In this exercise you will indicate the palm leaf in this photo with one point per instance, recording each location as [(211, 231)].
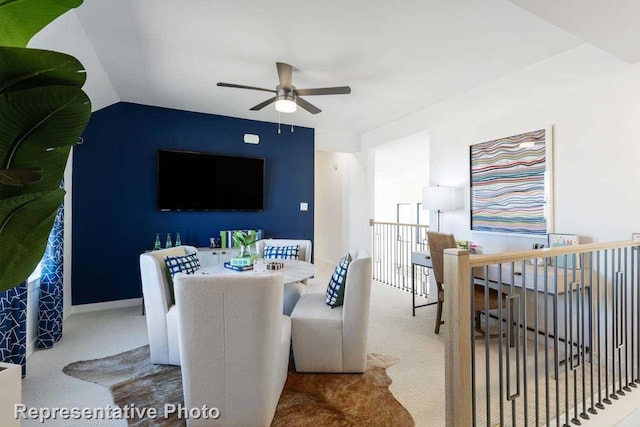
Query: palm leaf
[(22, 19), (39, 127), (20, 177), (25, 223), (22, 68)]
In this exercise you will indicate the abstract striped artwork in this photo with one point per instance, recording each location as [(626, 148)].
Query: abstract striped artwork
[(508, 184)]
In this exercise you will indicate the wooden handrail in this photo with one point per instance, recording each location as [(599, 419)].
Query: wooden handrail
[(482, 260), (372, 223)]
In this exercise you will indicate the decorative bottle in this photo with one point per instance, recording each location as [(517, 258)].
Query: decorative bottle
[(157, 245), (168, 244), (178, 241)]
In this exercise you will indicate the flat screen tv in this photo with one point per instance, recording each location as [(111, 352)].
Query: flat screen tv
[(209, 182)]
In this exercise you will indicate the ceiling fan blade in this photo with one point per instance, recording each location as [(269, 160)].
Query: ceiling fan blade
[(307, 106), (263, 104), (284, 74), (340, 90), (244, 87)]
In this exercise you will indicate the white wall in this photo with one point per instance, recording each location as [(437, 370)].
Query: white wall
[(335, 140), (331, 205), (341, 214), (401, 171), (591, 99)]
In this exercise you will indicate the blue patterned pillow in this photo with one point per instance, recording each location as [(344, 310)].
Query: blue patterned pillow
[(335, 290), (281, 252), (182, 264)]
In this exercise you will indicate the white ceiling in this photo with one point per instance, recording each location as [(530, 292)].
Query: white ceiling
[(611, 25), (397, 57)]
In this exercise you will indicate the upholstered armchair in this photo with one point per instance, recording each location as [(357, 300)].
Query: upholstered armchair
[(329, 339), (292, 291), (159, 305), (234, 345)]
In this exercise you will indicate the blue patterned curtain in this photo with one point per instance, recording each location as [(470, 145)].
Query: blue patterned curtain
[(13, 326), (50, 308)]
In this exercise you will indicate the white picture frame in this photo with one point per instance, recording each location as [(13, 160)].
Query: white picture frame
[(556, 240)]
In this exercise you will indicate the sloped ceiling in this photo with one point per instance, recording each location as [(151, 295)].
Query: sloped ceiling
[(397, 57), (610, 25)]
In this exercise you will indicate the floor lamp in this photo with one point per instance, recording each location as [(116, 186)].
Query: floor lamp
[(439, 199)]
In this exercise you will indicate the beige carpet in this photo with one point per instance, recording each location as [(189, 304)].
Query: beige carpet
[(307, 399)]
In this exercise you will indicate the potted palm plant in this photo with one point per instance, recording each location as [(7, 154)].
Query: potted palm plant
[(43, 112)]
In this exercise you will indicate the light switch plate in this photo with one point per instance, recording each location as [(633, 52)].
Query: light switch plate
[(304, 206)]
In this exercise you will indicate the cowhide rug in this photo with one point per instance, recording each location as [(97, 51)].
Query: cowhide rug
[(307, 399)]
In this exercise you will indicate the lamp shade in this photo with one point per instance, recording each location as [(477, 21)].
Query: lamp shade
[(286, 106), (439, 198)]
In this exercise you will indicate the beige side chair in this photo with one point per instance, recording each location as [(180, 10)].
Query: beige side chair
[(234, 345), (329, 339), (159, 306), (292, 291)]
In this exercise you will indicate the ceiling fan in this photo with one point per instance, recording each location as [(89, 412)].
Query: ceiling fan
[(287, 96)]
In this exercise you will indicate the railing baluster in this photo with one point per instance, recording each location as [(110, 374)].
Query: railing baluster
[(501, 343), (624, 321), (556, 331), (619, 345), (535, 340), (517, 339), (606, 330), (575, 293), (567, 352), (599, 405), (486, 343), (637, 278), (591, 338), (472, 305), (546, 344), (614, 321), (635, 309), (583, 347)]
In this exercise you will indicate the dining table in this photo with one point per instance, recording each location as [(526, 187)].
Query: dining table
[(294, 270)]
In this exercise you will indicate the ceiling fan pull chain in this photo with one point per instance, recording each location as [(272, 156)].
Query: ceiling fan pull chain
[(278, 122), (292, 123)]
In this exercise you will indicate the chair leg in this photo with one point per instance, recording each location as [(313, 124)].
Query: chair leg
[(439, 317)]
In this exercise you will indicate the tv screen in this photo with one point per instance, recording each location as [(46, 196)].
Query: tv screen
[(209, 182)]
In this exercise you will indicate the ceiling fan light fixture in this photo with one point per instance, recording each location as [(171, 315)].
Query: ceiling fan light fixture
[(286, 105)]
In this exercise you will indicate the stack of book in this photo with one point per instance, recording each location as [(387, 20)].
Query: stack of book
[(238, 267), (241, 263)]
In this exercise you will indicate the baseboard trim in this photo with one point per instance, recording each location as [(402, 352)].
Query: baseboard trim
[(109, 305)]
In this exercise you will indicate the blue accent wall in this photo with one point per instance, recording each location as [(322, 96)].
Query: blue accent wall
[(115, 217)]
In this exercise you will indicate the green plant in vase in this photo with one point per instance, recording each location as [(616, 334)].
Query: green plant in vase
[(43, 112), (243, 240)]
